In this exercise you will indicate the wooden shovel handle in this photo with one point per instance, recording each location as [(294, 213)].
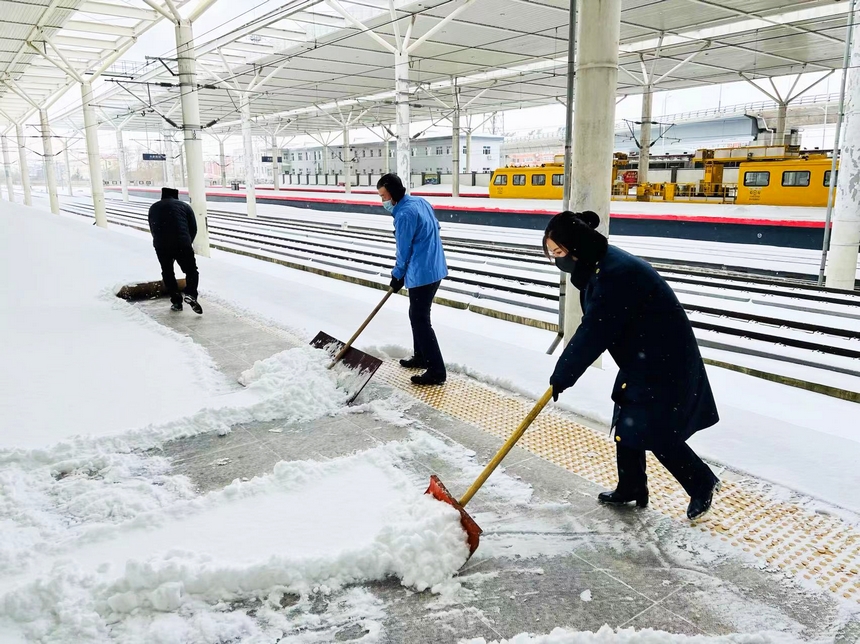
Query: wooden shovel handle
[(355, 335), (507, 447)]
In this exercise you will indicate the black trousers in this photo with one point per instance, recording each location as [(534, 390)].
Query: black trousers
[(689, 470), (184, 256), (426, 346)]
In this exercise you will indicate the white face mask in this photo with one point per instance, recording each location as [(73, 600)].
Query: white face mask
[(388, 205)]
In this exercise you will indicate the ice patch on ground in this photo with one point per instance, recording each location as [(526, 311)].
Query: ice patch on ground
[(607, 635)]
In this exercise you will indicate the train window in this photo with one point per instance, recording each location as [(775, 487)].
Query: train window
[(798, 178), (519, 180), (500, 180), (827, 177), (756, 179), (538, 179), (558, 179)]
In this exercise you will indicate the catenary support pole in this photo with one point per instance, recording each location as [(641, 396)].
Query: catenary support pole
[(68, 176), (94, 159), (7, 169), (568, 161), (22, 164), (48, 157), (123, 164), (222, 161), (247, 136), (645, 134), (455, 140), (347, 162)]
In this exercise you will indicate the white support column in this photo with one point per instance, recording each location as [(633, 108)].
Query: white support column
[(22, 164), (7, 169), (250, 188), (468, 151), (455, 142), (845, 236), (645, 134), (169, 169), (223, 163), (781, 118), (48, 156), (347, 162), (325, 160), (91, 130), (123, 168), (594, 122), (276, 178), (193, 134), (68, 170), (401, 100)]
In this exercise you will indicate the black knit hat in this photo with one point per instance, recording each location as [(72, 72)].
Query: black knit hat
[(169, 193), (575, 232)]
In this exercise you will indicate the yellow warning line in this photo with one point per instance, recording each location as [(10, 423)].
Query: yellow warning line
[(817, 547)]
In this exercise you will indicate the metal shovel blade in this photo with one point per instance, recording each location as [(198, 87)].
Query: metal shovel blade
[(473, 532), (361, 364)]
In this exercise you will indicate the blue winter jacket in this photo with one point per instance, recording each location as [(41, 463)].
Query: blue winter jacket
[(420, 258)]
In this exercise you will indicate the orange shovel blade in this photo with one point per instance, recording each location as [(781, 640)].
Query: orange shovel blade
[(473, 532)]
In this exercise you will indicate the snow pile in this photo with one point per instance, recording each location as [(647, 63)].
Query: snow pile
[(306, 526), (631, 636)]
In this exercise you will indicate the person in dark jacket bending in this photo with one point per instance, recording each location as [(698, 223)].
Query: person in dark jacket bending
[(173, 229), (420, 265), (662, 395)]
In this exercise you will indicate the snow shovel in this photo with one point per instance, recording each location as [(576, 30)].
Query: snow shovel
[(361, 363), (440, 492)]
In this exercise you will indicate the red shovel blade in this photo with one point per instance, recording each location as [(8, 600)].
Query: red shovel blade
[(473, 532)]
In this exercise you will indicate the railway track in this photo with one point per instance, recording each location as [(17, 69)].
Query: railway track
[(517, 275)]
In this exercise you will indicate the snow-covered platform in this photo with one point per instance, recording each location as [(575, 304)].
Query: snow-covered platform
[(147, 496)]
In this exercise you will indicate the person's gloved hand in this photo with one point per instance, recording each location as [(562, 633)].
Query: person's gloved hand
[(396, 284), (559, 384)]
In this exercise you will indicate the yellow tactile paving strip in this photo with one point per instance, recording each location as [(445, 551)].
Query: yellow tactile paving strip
[(816, 547)]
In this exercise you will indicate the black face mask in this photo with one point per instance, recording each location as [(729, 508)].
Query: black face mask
[(566, 264), (580, 271)]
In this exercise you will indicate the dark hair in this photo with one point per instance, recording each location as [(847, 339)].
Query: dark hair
[(169, 193), (393, 184), (575, 232)]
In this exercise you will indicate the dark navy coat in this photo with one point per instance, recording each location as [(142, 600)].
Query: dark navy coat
[(172, 224), (662, 393)]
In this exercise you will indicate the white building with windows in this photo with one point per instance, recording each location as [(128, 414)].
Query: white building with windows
[(429, 155)]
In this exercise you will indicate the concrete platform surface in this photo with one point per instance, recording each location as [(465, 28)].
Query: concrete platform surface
[(640, 568)]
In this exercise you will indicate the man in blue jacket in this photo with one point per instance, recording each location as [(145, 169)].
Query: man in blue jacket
[(420, 265)]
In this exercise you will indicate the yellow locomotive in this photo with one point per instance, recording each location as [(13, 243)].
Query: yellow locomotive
[(753, 175)]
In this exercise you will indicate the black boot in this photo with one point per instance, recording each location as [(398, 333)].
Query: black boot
[(428, 378), (614, 498), (700, 506), (194, 304), (413, 363), (176, 306)]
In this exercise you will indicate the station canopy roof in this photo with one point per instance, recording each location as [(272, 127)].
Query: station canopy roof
[(313, 64)]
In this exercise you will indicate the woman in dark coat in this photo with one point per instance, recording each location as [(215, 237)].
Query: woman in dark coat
[(662, 395)]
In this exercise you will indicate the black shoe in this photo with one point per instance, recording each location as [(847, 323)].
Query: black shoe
[(176, 306), (428, 378), (700, 506), (413, 363), (614, 498), (194, 304)]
